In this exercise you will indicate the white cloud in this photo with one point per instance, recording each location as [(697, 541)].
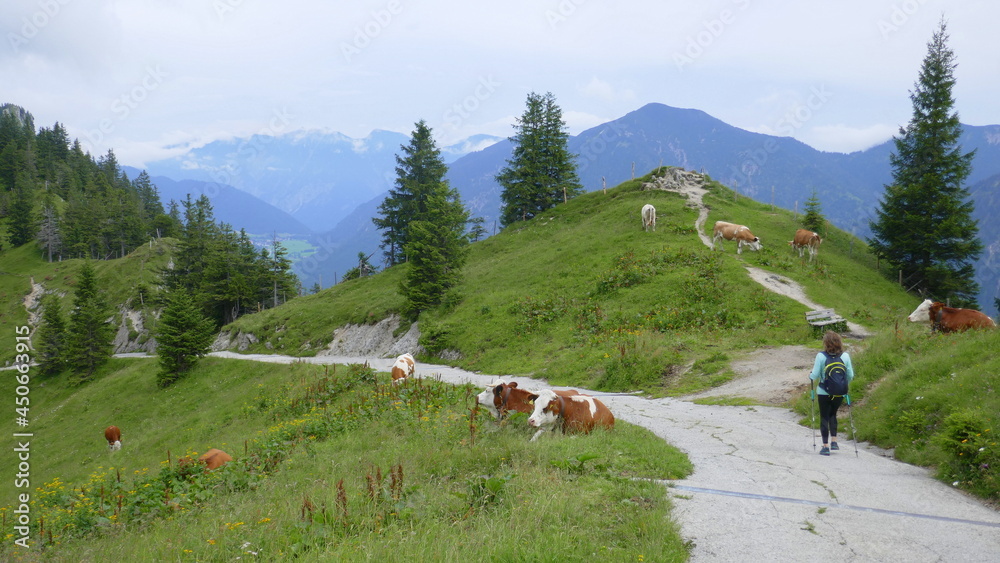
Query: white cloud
[(846, 139), (604, 91), (230, 65)]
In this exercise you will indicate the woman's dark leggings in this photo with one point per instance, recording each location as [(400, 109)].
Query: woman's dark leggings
[(828, 415)]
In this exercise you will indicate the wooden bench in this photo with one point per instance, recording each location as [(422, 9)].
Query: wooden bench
[(825, 319)]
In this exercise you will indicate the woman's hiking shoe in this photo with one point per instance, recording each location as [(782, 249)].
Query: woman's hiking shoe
[(824, 451), (834, 446)]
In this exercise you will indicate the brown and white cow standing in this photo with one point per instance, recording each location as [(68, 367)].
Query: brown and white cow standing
[(740, 233), (573, 413), (949, 319), (806, 239), (114, 437), (648, 217), (403, 368)]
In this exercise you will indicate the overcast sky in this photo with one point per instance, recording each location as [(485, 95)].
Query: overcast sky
[(151, 78)]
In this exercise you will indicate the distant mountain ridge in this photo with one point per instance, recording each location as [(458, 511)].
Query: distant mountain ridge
[(333, 183), (317, 177)]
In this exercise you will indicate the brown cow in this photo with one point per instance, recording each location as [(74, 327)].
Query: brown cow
[(404, 367), (114, 437), (740, 233), (578, 412), (214, 458), (949, 319), (804, 239), (509, 397)]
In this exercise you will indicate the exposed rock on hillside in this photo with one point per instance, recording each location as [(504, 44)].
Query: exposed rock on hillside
[(374, 340), (132, 335), (226, 341)]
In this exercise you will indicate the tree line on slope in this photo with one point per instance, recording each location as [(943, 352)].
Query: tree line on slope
[(70, 205), (424, 223)]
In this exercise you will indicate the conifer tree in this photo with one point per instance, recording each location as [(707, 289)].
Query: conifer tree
[(813, 219), (541, 173), (23, 225), (183, 335), (924, 225), (49, 236), (436, 250), (50, 339), (88, 342), (420, 172), (423, 222)]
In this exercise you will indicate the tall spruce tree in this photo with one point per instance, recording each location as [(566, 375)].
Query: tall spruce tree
[(423, 222), (541, 173), (420, 172), (924, 226), (88, 342), (50, 340), (436, 249), (813, 219), (183, 335)]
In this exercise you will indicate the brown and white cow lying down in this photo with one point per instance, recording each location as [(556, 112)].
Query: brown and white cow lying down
[(114, 437), (740, 233), (806, 239), (486, 398), (501, 397), (576, 413), (215, 458), (949, 319), (403, 368), (648, 217)]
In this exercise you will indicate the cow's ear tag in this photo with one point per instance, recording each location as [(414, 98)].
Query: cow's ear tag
[(531, 402)]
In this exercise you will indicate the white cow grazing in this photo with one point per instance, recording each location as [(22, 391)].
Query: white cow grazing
[(648, 217), (404, 367)]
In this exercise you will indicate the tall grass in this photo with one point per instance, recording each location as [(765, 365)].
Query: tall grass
[(338, 463)]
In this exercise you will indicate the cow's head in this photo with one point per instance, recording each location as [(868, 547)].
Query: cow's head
[(115, 446), (754, 244), (546, 411), (486, 398), (922, 314)]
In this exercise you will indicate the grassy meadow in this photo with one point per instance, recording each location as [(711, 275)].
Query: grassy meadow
[(331, 463)]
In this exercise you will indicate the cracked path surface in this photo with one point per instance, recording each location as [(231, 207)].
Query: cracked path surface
[(760, 492)]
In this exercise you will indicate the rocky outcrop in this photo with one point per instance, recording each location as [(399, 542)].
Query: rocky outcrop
[(241, 341), (374, 340), (132, 335)]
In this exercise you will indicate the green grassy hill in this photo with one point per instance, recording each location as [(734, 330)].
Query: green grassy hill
[(338, 464), (583, 296)]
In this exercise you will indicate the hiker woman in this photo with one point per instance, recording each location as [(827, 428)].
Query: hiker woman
[(834, 372)]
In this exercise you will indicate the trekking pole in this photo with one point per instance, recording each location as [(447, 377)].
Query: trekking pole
[(854, 433), (812, 411)]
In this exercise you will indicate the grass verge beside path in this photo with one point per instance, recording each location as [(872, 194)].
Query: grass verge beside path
[(340, 464)]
